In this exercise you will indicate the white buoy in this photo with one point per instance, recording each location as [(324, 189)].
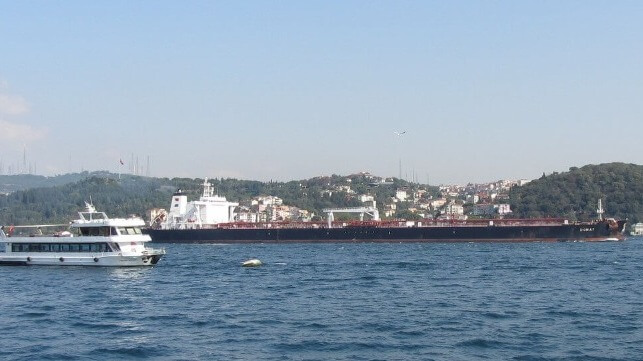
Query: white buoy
[(252, 263)]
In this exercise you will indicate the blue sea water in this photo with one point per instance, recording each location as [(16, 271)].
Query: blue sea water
[(472, 301)]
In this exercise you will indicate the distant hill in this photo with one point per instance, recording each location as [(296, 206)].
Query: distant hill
[(12, 183), (574, 194)]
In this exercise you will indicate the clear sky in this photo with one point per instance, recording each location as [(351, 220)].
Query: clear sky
[(285, 90)]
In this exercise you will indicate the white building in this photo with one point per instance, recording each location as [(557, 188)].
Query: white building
[(246, 215), (437, 203), (390, 209), (267, 201), (346, 189), (503, 209), (488, 209), (453, 209), (368, 200)]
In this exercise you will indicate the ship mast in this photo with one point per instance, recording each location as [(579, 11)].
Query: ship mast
[(600, 210)]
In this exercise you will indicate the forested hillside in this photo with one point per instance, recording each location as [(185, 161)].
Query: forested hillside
[(57, 204), (137, 195), (574, 194)]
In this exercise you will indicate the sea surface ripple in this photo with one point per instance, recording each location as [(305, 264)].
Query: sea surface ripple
[(472, 301)]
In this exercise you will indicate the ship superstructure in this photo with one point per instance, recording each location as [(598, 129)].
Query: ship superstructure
[(208, 210)]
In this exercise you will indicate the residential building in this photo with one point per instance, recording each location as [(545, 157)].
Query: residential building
[(401, 195), (484, 209), (453, 209), (503, 209)]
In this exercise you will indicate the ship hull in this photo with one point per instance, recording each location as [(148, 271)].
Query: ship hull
[(597, 231)]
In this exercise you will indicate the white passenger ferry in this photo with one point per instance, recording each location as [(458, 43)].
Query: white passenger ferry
[(91, 240)]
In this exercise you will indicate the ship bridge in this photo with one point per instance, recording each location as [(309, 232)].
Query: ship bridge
[(371, 211)]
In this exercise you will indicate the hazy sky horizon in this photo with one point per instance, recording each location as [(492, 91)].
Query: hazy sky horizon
[(288, 90)]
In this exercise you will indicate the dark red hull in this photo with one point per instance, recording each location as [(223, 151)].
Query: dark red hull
[(369, 232)]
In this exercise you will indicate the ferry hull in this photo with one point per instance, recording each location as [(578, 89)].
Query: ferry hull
[(599, 231), (93, 261)]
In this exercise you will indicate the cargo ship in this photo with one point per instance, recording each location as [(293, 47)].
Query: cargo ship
[(211, 220)]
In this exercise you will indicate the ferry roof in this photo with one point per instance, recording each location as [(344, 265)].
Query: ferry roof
[(115, 222), (92, 218)]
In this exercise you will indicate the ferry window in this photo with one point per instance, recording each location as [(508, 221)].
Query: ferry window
[(74, 247), (44, 247), (97, 216), (138, 231), (64, 247), (99, 247), (112, 231), (129, 231), (116, 247), (85, 247), (33, 247), (55, 247), (90, 231)]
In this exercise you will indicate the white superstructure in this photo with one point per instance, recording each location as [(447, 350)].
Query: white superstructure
[(210, 209), (91, 240)]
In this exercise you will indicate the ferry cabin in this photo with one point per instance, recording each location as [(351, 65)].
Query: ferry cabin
[(78, 241)]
